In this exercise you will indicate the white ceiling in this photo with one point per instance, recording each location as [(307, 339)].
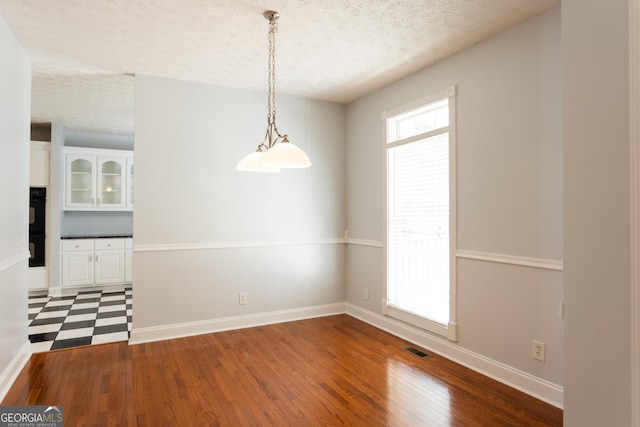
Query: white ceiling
[(85, 52)]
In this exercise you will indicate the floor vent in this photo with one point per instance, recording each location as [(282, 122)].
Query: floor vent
[(417, 352)]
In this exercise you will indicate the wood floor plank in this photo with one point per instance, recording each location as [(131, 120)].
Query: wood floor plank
[(333, 370)]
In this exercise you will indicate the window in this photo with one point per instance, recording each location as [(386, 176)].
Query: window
[(420, 238)]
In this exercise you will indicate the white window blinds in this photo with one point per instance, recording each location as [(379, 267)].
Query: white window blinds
[(418, 227)]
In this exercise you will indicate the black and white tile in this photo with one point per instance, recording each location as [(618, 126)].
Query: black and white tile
[(87, 317)]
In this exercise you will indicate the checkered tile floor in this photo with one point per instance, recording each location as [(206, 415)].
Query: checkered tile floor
[(88, 317)]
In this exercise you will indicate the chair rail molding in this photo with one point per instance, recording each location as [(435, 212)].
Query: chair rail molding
[(14, 260), (160, 247), (548, 264)]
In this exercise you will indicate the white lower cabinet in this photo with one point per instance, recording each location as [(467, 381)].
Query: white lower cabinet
[(77, 268), (109, 267), (39, 164), (88, 262)]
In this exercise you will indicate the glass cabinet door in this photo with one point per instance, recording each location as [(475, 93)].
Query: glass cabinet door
[(80, 181), (111, 177)]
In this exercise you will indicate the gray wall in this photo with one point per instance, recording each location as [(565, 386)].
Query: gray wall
[(15, 105), (509, 95), (509, 184), (221, 231), (596, 212)]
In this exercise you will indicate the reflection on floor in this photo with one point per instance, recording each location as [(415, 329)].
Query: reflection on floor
[(87, 317)]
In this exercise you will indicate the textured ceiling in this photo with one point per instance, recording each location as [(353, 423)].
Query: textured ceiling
[(84, 53)]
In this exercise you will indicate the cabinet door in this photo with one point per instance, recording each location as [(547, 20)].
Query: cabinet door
[(39, 164), (111, 182), (77, 268), (109, 267), (80, 181), (130, 182)]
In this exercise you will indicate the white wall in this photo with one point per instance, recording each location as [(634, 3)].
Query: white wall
[(595, 65), (203, 232), (509, 183), (15, 105)]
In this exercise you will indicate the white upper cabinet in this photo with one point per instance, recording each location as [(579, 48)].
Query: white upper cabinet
[(97, 179), (80, 181), (111, 182), (39, 164)]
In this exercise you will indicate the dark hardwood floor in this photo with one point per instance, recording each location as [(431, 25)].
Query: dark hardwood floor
[(327, 371)]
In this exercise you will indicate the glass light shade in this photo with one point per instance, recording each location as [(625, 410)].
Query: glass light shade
[(285, 155), (251, 163)]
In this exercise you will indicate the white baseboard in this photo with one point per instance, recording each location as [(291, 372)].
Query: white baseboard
[(55, 291), (520, 380), (9, 375), (58, 291), (159, 333)]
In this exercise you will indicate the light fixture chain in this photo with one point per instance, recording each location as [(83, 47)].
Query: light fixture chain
[(273, 28)]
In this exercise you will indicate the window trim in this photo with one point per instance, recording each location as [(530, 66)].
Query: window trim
[(450, 330)]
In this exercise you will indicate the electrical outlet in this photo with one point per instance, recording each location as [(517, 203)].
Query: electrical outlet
[(539, 350), (242, 298), (366, 293)]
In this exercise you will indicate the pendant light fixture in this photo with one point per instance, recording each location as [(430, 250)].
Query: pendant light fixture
[(275, 151)]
